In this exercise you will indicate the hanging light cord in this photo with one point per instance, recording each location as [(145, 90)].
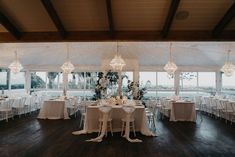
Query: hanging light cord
[(16, 56), (228, 55), (170, 52), (67, 46)]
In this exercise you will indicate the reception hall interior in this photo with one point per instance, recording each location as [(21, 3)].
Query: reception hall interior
[(119, 78)]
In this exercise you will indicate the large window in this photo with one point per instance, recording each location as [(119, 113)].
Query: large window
[(164, 81), (158, 84), (148, 79), (38, 80), (188, 80), (17, 80), (82, 80), (207, 81), (228, 85), (53, 80), (3, 79), (202, 83)]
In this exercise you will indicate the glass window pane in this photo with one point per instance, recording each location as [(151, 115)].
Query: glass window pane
[(150, 94), (3, 79), (188, 80), (127, 76), (189, 95), (165, 81), (165, 93), (228, 85), (147, 79), (207, 81), (93, 79), (53, 79), (38, 80), (76, 80), (17, 80)]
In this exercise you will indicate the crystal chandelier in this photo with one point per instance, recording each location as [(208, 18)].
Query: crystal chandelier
[(15, 66), (67, 67), (170, 66), (117, 63), (228, 67)]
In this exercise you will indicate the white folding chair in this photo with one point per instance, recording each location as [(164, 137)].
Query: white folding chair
[(129, 111), (104, 109), (6, 110)]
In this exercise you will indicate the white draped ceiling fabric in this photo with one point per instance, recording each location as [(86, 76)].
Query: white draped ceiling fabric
[(92, 56)]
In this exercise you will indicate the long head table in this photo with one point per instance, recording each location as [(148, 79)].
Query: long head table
[(91, 123)]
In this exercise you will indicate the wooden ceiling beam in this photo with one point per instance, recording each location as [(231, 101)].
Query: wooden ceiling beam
[(110, 16), (54, 17), (170, 17), (88, 36), (226, 19), (10, 26)]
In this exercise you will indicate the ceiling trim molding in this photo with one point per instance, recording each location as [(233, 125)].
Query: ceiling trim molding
[(86, 36)]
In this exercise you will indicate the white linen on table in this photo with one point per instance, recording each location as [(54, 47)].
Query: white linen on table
[(53, 109), (183, 111), (91, 123)]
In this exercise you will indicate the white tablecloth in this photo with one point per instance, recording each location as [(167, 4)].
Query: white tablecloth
[(183, 111), (53, 109), (91, 119)]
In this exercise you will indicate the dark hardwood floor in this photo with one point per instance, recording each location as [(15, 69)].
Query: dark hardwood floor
[(28, 136)]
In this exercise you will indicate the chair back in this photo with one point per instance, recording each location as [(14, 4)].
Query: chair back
[(129, 110), (105, 110), (6, 104)]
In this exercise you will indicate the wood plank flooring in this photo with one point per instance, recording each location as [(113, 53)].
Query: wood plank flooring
[(30, 137)]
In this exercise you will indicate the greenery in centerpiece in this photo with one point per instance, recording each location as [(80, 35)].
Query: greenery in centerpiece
[(135, 91), (109, 80), (106, 85)]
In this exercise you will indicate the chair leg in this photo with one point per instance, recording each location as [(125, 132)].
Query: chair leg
[(6, 116), (111, 127), (133, 127), (123, 124), (100, 125), (81, 120), (154, 124)]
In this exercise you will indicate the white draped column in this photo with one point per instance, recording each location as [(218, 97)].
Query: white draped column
[(65, 84), (119, 83), (177, 82), (218, 82)]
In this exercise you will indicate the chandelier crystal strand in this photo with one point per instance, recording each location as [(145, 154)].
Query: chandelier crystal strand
[(15, 66), (67, 67), (117, 63), (170, 66), (228, 67)]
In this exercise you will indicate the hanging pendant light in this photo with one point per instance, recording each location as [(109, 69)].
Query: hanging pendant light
[(228, 67), (15, 66), (170, 66), (117, 63), (67, 67)]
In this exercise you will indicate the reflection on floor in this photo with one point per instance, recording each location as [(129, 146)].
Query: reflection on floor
[(29, 136)]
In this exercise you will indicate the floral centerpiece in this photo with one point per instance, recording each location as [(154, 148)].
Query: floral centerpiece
[(135, 91)]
